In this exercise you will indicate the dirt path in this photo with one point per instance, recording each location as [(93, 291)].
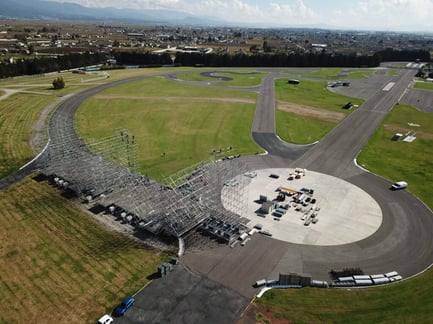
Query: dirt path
[(318, 113), (8, 92)]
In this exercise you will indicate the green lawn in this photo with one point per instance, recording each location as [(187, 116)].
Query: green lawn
[(424, 85), (405, 302), (336, 73), (161, 87), (171, 134), (313, 94), (55, 260), (239, 79), (298, 129), (398, 160), (403, 115)]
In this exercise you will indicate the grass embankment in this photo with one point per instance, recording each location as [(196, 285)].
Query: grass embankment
[(18, 113), (404, 302), (301, 126), (174, 125), (57, 264)]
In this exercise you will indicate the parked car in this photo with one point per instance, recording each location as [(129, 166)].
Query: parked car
[(126, 304), (399, 185), (106, 319)]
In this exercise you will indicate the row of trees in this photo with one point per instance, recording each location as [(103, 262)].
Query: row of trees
[(50, 64), (243, 60), (279, 60), (390, 55), (272, 60), (69, 61)]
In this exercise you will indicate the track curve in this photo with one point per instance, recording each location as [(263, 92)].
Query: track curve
[(403, 242)]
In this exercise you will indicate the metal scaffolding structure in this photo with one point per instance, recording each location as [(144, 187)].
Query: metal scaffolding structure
[(104, 172)]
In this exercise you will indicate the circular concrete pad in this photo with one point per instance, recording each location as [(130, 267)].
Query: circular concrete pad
[(346, 213)]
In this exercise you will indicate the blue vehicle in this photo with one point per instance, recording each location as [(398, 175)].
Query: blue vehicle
[(126, 304)]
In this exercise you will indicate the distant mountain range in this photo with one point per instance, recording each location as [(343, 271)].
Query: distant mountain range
[(40, 9)]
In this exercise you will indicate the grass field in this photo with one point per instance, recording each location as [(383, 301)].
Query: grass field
[(336, 74), (405, 302), (57, 264), (294, 127), (56, 261), (175, 125), (313, 94), (161, 87), (398, 160), (74, 81), (18, 113), (171, 134), (424, 85), (291, 127), (240, 78)]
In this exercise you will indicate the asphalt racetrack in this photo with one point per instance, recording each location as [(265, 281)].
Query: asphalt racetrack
[(208, 278), (402, 242)]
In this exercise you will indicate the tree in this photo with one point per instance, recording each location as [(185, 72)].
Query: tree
[(266, 47), (58, 83)]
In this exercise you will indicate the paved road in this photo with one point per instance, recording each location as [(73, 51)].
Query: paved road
[(402, 243), (263, 129), (405, 232)]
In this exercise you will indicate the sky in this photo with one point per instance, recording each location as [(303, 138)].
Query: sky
[(399, 15)]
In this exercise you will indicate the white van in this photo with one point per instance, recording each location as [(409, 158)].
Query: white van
[(399, 185)]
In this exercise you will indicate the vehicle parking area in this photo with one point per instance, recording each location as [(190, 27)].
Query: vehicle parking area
[(313, 208)]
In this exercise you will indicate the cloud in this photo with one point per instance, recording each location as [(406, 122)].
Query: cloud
[(297, 11), (355, 14), (234, 10), (132, 4)]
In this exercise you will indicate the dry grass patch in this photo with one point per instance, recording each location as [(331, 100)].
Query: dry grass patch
[(18, 113), (57, 264), (325, 115)]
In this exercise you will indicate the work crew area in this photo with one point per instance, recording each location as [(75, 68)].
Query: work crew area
[(307, 207)]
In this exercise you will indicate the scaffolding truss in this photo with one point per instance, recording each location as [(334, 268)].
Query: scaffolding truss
[(104, 172)]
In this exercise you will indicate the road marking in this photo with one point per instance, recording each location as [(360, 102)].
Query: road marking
[(388, 86)]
